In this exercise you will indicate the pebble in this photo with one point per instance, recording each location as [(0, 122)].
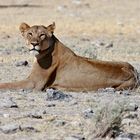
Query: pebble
[(124, 92), (101, 43), (78, 2), (61, 7), (106, 90), (9, 128), (13, 128), (88, 113), (36, 115), (128, 136), (8, 103), (28, 128), (21, 63), (59, 123), (51, 105), (74, 138), (131, 107), (110, 45), (132, 116), (6, 115), (6, 37), (50, 118), (85, 39), (57, 95), (126, 122)]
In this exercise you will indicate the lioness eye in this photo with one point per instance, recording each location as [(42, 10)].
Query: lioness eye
[(30, 34), (42, 36)]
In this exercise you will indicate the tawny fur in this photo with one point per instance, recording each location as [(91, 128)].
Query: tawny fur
[(57, 66)]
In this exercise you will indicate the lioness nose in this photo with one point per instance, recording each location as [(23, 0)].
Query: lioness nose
[(35, 43)]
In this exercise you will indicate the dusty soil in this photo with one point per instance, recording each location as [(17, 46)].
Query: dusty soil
[(107, 30)]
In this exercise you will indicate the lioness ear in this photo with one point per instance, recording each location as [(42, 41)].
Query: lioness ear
[(23, 27), (50, 29)]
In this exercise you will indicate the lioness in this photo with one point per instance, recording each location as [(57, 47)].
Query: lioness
[(56, 66)]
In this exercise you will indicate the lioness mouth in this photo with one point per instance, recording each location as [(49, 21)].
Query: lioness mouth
[(34, 50)]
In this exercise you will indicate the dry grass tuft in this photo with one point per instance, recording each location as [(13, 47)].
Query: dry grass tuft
[(108, 121)]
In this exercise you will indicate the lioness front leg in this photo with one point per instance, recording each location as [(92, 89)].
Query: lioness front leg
[(24, 84)]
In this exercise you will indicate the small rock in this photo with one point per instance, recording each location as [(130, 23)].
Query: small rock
[(6, 37), (9, 128), (6, 115), (132, 116), (59, 123), (73, 102), (7, 52), (126, 121), (28, 128), (128, 136), (102, 43), (74, 138), (85, 39), (21, 63), (124, 92), (61, 7), (51, 105), (44, 112), (8, 103), (119, 92), (78, 2), (50, 118), (98, 43), (88, 113), (110, 89), (76, 124), (57, 95), (32, 99), (131, 107), (106, 90), (35, 114), (110, 45), (25, 91)]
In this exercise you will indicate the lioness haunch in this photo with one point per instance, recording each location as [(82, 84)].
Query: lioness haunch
[(57, 66)]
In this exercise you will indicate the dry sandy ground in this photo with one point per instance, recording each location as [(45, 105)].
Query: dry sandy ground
[(105, 29)]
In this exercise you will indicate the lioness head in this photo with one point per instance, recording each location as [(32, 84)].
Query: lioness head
[(37, 37)]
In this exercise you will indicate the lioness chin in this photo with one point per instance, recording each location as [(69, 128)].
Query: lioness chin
[(57, 66)]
